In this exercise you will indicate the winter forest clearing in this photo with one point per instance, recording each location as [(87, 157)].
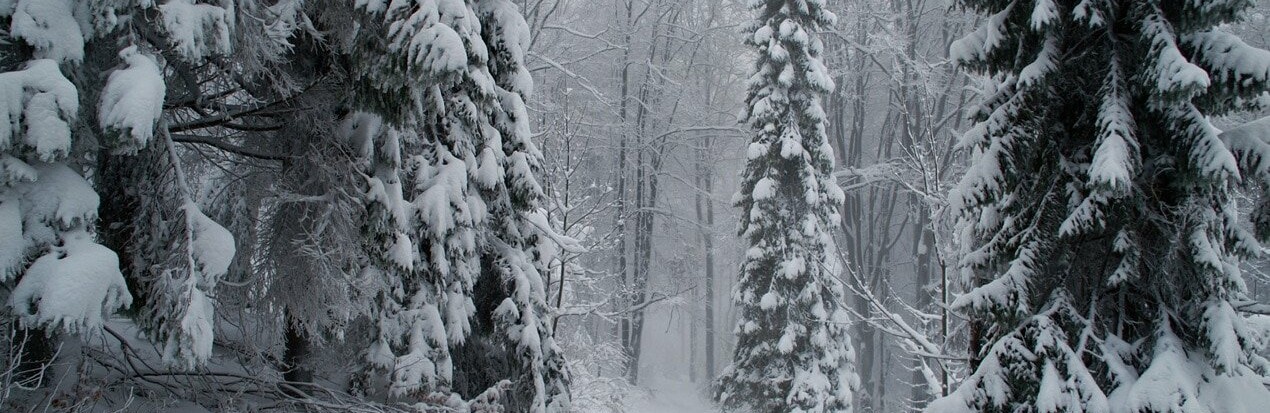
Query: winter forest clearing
[(640, 206)]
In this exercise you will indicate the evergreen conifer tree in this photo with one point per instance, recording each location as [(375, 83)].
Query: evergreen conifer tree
[(1098, 227), (415, 115), (453, 83), (517, 247), (792, 352), (414, 68), (172, 254), (175, 254)]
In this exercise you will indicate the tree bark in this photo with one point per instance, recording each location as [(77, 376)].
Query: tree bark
[(296, 352), (623, 300), (708, 244), (704, 208)]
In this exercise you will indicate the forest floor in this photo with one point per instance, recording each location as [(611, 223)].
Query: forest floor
[(669, 396)]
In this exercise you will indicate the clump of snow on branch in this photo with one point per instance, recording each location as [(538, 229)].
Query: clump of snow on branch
[(38, 104), (75, 281), (198, 30), (212, 248), (983, 41), (209, 250), (50, 27), (71, 287), (132, 100)]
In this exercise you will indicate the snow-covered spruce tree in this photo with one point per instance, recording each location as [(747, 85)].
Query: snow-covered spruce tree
[(512, 335), (280, 180), (172, 254), (792, 350), (313, 215), (412, 343), (55, 274), (1100, 237), (126, 60), (461, 136), (423, 81)]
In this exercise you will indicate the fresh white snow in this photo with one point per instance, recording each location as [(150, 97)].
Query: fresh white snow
[(668, 395), (198, 30), (133, 98), (71, 287), (50, 27)]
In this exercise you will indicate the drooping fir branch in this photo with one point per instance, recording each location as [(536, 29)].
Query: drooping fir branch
[(178, 256)]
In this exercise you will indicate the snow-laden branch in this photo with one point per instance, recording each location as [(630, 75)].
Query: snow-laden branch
[(582, 80), (1248, 142), (1252, 307), (915, 342), (566, 243)]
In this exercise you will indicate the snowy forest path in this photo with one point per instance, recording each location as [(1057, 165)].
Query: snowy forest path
[(669, 396)]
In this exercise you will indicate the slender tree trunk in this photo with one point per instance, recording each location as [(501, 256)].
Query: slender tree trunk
[(639, 280), (853, 210), (943, 322), (693, 331), (704, 208), (623, 298), (645, 200), (708, 244), (565, 210), (921, 250)]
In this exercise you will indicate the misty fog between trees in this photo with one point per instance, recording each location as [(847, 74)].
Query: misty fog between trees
[(635, 206)]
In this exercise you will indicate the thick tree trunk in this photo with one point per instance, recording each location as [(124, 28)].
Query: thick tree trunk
[(296, 352)]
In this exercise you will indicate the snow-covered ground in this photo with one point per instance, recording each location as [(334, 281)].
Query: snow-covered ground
[(669, 396)]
